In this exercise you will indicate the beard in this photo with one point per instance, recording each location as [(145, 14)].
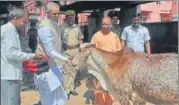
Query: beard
[(71, 22)]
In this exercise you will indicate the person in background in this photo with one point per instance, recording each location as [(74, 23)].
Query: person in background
[(62, 26), (72, 38), (115, 25), (12, 58), (32, 32), (136, 36)]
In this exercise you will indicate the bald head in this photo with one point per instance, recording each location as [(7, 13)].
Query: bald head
[(106, 25), (106, 20)]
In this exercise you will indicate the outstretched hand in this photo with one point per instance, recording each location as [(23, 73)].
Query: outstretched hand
[(38, 56), (69, 62)]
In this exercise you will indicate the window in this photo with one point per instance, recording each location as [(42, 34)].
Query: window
[(165, 17), (145, 15)]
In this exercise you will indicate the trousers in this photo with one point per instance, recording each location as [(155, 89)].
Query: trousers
[(10, 92)]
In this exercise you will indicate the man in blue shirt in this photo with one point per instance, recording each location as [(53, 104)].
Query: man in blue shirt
[(136, 36)]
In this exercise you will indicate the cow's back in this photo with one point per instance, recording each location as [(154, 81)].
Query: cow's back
[(155, 78)]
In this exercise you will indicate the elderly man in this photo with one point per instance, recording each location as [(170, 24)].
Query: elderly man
[(106, 40), (50, 84), (136, 35), (72, 38), (12, 58)]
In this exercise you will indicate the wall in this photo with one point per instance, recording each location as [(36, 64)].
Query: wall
[(164, 36), (126, 16), (154, 9)]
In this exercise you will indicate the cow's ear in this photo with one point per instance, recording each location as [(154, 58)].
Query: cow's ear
[(90, 45)]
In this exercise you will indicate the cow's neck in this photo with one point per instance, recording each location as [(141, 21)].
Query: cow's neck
[(118, 63), (108, 57)]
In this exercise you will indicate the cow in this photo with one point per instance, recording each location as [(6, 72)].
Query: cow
[(154, 78)]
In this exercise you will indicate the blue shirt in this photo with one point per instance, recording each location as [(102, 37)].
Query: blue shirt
[(135, 39)]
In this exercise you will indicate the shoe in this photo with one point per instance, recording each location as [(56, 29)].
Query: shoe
[(74, 93), (92, 102), (68, 97), (87, 102)]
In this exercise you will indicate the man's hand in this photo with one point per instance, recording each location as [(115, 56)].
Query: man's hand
[(148, 55), (69, 62), (80, 42), (38, 56), (31, 60), (147, 46)]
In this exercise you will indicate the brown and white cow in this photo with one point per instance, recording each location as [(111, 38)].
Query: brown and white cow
[(154, 78)]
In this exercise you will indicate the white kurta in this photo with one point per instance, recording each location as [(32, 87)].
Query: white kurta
[(50, 87), (49, 84)]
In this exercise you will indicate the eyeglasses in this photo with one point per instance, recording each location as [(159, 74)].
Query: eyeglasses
[(56, 14), (70, 17)]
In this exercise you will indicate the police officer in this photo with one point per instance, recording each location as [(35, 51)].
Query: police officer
[(72, 38)]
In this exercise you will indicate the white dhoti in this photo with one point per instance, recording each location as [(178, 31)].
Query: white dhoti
[(50, 88)]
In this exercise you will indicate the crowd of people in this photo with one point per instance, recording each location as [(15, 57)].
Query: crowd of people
[(59, 44)]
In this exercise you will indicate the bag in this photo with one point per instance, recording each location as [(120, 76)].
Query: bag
[(38, 66)]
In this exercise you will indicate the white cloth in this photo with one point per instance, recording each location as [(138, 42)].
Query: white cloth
[(54, 77), (50, 87), (11, 54)]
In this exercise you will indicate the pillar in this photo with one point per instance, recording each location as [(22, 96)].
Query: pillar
[(126, 16)]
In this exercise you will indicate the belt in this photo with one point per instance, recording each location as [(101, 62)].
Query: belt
[(73, 47)]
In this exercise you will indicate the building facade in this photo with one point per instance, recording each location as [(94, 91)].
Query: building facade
[(161, 11)]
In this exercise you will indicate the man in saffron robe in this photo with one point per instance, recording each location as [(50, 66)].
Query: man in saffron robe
[(106, 40)]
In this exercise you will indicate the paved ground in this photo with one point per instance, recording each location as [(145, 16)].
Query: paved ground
[(31, 97)]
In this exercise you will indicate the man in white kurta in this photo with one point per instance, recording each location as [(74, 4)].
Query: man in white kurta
[(12, 58), (49, 84)]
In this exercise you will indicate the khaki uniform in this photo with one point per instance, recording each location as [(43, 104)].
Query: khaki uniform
[(70, 37)]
